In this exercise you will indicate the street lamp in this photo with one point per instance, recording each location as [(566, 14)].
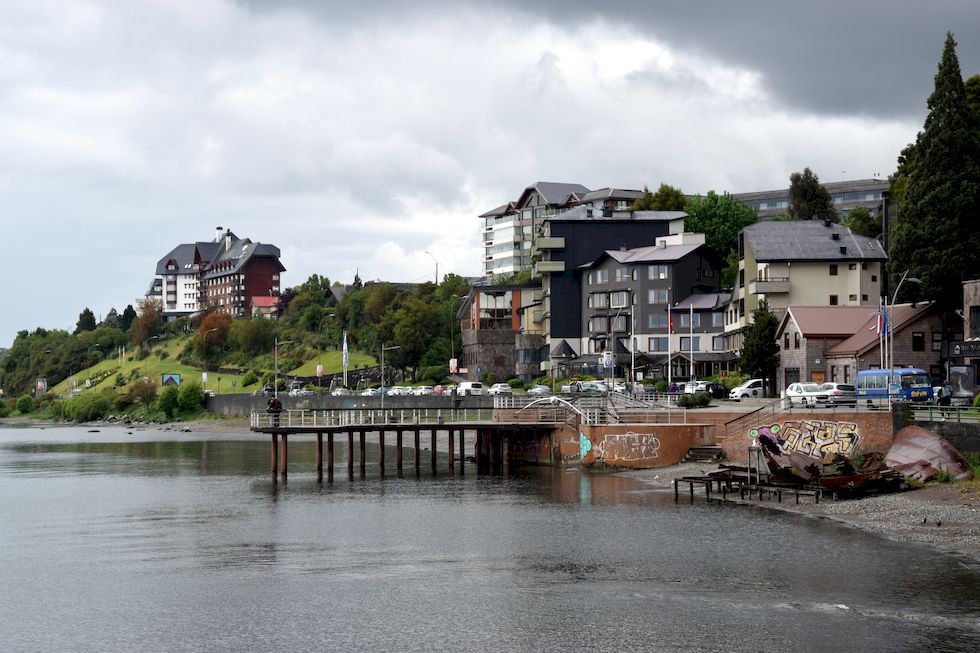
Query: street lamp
[(452, 328), (275, 363), (319, 351), (204, 347), (891, 327), (383, 350), (437, 265)]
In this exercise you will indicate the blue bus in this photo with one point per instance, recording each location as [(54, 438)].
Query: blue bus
[(914, 384)]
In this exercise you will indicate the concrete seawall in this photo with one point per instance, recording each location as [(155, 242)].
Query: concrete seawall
[(241, 405)]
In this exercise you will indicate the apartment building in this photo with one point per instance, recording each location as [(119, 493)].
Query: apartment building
[(805, 262), (845, 195), (225, 274)]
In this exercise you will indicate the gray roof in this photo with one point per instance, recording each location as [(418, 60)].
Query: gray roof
[(557, 193), (185, 255), (611, 193), (659, 216), (809, 240), (239, 254), (704, 301), (652, 253), (503, 209)]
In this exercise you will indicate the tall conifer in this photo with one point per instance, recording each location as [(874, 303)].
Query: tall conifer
[(938, 233)]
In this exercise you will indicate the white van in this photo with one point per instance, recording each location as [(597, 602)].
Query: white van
[(748, 390), (467, 388)]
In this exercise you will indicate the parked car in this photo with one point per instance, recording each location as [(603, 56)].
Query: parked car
[(716, 390), (806, 394), (594, 387), (371, 392), (423, 391), (840, 393), (539, 390), (467, 388), (500, 389), (751, 389), (340, 392), (574, 386), (300, 392), (264, 391)]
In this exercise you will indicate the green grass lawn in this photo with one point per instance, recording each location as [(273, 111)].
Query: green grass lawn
[(333, 362), (103, 375)]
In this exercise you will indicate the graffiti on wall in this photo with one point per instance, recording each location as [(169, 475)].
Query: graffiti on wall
[(623, 447), (812, 437)]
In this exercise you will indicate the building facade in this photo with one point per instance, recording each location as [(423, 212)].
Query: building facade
[(845, 195), (501, 332)]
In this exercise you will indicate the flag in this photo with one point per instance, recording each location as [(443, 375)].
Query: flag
[(346, 354)]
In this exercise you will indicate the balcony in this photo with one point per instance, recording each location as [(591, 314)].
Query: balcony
[(550, 242), (549, 266), (770, 286)]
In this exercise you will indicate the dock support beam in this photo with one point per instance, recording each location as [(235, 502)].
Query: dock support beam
[(363, 452), (400, 456), (381, 451), (350, 454), (417, 453), (275, 455), (319, 457), (452, 453), (462, 457), (330, 457), (284, 456), (433, 452)]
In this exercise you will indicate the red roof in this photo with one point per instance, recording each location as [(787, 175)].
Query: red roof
[(261, 301)]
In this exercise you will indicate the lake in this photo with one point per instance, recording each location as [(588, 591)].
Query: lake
[(156, 540)]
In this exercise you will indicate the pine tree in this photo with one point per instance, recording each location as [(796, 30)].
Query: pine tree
[(759, 348), (808, 199), (937, 239), (86, 321)]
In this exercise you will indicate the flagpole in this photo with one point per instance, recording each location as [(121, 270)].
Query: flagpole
[(670, 344), (346, 358), (693, 375)]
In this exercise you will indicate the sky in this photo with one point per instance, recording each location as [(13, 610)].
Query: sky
[(367, 137)]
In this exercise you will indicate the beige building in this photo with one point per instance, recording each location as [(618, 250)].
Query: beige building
[(801, 262)]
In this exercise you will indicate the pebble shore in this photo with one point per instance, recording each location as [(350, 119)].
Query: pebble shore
[(944, 517)]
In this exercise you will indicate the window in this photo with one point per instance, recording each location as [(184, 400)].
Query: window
[(833, 300), (657, 344), (588, 301), (602, 276), (864, 298), (619, 299), (599, 325), (741, 278), (686, 343), (622, 274), (589, 279), (852, 266), (847, 374), (864, 266), (918, 341), (852, 298), (718, 343), (686, 320), (874, 278), (633, 275), (796, 340), (937, 341), (786, 340), (833, 269), (658, 320), (657, 296), (619, 323), (657, 272), (600, 300), (717, 319)]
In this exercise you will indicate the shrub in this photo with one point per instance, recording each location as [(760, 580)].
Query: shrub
[(164, 355), (4, 411), (976, 401), (120, 381), (662, 386), (697, 400), (87, 407), (25, 404), (943, 476), (142, 391), (168, 401), (514, 383), (142, 354), (190, 397), (249, 379), (489, 378)]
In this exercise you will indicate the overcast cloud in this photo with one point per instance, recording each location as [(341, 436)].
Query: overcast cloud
[(359, 137)]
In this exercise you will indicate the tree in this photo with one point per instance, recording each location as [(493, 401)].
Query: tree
[(667, 198), (759, 348), (720, 218), (148, 322), (414, 331), (253, 337), (808, 199), (111, 319), (861, 222), (128, 315), (972, 88), (143, 391), (212, 336), (169, 400), (86, 321), (937, 239)]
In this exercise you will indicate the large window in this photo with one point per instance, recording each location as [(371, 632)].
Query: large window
[(657, 296), (918, 341), (602, 276), (600, 300), (658, 320), (657, 344), (620, 323), (686, 343), (718, 343), (717, 319), (599, 325), (622, 274), (496, 310), (686, 320), (657, 272), (619, 299)]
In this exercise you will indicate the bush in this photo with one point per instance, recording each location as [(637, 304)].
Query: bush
[(697, 400), (120, 381), (190, 397), (87, 407), (164, 355), (662, 386), (976, 401), (249, 379), (4, 411), (25, 404), (142, 354), (144, 392), (514, 383), (169, 400)]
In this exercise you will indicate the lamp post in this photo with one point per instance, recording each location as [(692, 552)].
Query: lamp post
[(204, 348), (383, 391), (275, 363), (319, 352), (437, 265), (891, 327), (452, 328)]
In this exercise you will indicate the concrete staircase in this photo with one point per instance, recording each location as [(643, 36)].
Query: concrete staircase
[(707, 454)]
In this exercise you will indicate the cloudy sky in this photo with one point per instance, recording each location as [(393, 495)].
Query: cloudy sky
[(359, 136)]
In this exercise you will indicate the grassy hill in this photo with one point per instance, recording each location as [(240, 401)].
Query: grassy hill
[(163, 359)]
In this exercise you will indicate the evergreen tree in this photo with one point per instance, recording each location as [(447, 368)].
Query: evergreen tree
[(808, 199), (129, 314), (86, 321), (667, 198), (861, 222), (759, 348), (937, 238)]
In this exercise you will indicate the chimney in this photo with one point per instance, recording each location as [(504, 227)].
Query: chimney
[(227, 240), (662, 244), (835, 236), (218, 233), (826, 222)]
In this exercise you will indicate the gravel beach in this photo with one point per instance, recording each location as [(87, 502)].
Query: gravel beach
[(945, 517)]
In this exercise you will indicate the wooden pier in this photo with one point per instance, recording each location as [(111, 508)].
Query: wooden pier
[(746, 491)]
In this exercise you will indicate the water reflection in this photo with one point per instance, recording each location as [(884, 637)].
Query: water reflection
[(188, 543)]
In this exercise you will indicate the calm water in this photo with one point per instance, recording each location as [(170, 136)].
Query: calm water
[(159, 541)]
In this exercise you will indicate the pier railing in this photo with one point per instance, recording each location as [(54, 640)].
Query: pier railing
[(340, 418)]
